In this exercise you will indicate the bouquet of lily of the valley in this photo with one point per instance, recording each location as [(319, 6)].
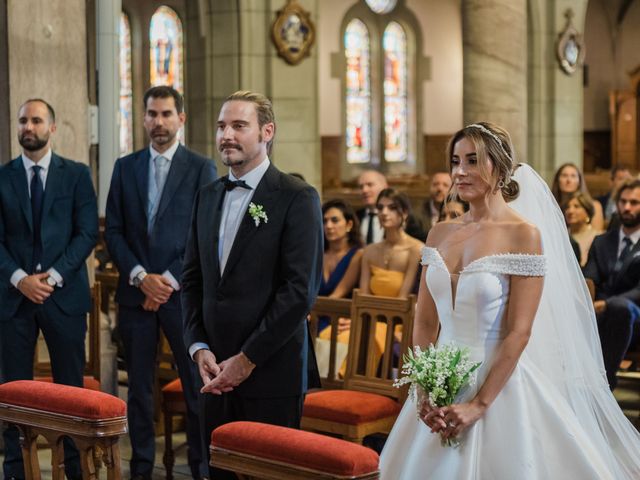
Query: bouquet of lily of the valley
[(440, 372)]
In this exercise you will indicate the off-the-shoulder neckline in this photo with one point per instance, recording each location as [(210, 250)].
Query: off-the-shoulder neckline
[(442, 263)]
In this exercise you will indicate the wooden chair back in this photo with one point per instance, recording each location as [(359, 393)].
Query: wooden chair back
[(334, 309), (42, 364), (366, 371)]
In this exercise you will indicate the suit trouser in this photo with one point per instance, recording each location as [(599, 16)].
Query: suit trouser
[(615, 327), (217, 410), (64, 335), (139, 331)]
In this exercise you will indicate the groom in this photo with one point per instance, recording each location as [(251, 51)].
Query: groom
[(251, 274)]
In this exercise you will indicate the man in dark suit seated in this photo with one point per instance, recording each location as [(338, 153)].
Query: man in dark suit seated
[(48, 228), (438, 190), (619, 175), (614, 267), (147, 222), (371, 183), (251, 275)]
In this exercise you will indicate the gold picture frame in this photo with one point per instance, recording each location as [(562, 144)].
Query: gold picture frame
[(293, 33), (570, 48)]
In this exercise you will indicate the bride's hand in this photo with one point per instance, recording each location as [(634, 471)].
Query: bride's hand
[(431, 416), (460, 416)]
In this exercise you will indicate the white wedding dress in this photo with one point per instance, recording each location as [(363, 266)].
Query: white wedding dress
[(553, 419)]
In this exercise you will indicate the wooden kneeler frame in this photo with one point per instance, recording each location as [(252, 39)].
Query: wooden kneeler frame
[(88, 434)]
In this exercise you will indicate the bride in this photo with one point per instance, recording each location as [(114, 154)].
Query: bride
[(502, 281)]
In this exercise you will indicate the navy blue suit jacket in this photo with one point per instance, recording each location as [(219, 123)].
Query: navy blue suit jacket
[(259, 304), (126, 234), (69, 232)]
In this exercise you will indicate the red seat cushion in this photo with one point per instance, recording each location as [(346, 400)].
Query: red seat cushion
[(172, 391), (304, 449), (88, 382), (63, 399), (348, 406)]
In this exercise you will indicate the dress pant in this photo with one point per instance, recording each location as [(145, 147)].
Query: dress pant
[(229, 407), (139, 331), (64, 336), (616, 327)]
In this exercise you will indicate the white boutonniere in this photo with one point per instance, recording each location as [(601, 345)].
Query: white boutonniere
[(257, 213)]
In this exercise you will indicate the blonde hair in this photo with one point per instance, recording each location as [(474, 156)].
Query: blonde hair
[(264, 109), (494, 143)]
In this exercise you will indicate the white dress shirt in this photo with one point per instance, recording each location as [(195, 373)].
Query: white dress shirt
[(378, 231), (234, 208), (44, 163), (168, 154)]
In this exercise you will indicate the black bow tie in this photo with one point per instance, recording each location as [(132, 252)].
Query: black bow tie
[(231, 184)]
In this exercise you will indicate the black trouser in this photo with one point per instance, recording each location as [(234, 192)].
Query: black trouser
[(139, 331), (230, 407), (64, 335)]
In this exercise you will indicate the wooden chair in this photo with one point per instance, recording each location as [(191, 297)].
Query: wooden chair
[(42, 366), (93, 420), (369, 403), (173, 404), (271, 452), (334, 309)]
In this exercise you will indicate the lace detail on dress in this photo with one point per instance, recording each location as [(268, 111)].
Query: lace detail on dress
[(431, 256), (523, 264)]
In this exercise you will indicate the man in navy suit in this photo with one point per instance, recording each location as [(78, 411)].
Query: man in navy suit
[(147, 221), (614, 267), (251, 274), (48, 228)]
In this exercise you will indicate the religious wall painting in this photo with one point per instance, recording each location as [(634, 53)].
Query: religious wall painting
[(358, 92), (166, 49), (570, 48), (293, 33)]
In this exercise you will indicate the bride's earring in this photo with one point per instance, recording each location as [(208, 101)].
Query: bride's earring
[(501, 184)]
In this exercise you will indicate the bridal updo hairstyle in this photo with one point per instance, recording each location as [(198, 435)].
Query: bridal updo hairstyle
[(493, 141)]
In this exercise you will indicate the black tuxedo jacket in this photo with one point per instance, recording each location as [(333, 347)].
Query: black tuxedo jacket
[(69, 232), (271, 279), (600, 268), (126, 234)]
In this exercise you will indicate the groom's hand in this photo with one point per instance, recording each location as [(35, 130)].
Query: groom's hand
[(207, 365), (233, 371)]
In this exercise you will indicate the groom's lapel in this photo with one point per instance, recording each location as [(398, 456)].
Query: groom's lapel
[(214, 223), (265, 196)]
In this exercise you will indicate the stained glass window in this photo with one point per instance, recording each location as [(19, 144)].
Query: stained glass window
[(382, 6), (166, 53), (358, 92), (394, 42), (126, 90)]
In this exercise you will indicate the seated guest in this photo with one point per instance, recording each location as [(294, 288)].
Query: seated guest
[(619, 175), (389, 267), (342, 251), (452, 209), (614, 267), (578, 213), (432, 206), (569, 180), (371, 183)]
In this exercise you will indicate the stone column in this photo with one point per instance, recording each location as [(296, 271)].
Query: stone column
[(495, 66), (108, 21)]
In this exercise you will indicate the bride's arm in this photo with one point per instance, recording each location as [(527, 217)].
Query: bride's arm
[(521, 310), (426, 323)]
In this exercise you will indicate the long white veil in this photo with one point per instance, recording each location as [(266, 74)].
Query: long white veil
[(564, 343)]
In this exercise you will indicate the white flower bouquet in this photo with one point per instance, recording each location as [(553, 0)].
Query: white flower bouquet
[(438, 372)]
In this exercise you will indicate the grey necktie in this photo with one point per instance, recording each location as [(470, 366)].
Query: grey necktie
[(161, 164), (161, 173)]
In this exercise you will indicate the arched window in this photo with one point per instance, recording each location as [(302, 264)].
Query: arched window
[(166, 49), (394, 42), (381, 50), (126, 89), (358, 95)]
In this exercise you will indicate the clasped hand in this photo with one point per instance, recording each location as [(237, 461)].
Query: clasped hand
[(157, 290), (35, 287), (224, 376), (450, 421)]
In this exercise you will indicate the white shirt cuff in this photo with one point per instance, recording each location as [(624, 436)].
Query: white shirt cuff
[(172, 280), (17, 276), (56, 276), (195, 347), (134, 273)]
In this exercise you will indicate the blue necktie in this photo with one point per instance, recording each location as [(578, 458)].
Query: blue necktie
[(37, 193)]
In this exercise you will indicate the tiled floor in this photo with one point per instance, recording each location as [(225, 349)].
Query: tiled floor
[(627, 393)]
